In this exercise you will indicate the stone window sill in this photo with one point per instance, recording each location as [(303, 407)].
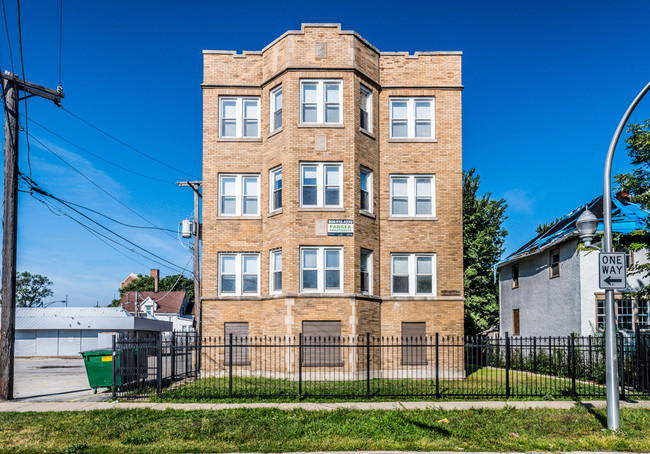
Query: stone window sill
[(273, 133), (367, 214), (274, 213), (239, 218), (368, 133), (412, 218), (243, 139), (321, 125), (412, 140), (303, 209)]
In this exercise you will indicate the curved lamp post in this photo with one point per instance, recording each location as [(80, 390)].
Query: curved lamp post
[(611, 360)]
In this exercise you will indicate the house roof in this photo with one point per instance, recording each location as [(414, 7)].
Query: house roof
[(626, 218), (167, 302), (85, 318)]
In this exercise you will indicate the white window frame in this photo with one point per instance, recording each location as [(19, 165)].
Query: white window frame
[(239, 116), (275, 109), (412, 195), (321, 268), (272, 173), (239, 193), (369, 270), (625, 314), (272, 270), (320, 183), (412, 273), (370, 208), (239, 273), (365, 105), (320, 100), (643, 311), (410, 117)]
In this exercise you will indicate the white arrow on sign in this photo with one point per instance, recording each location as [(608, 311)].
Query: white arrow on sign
[(611, 270)]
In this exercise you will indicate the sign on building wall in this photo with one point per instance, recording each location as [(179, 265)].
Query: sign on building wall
[(340, 227), (611, 270)]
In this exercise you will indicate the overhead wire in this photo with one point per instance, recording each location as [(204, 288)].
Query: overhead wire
[(22, 67), (161, 260), (98, 186), (60, 38), (11, 54), (126, 144)]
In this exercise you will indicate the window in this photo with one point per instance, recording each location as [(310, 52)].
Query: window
[(554, 263), (321, 269), (600, 314), (412, 118), (413, 274), (239, 274), (366, 271), (515, 276), (625, 315), (320, 101), (276, 189), (365, 185), (321, 185), (321, 342), (412, 195), (276, 271), (276, 108), (515, 322), (239, 195), (365, 109), (643, 315), (414, 341), (239, 332), (240, 117)]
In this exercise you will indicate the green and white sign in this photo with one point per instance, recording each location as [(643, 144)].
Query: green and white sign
[(340, 227)]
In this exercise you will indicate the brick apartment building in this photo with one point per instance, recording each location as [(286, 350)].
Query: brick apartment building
[(332, 200)]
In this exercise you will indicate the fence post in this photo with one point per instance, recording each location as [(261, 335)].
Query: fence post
[(507, 365), (637, 346), (368, 365), (622, 360), (534, 355), (115, 356), (172, 352), (572, 352), (300, 365), (437, 368), (159, 365), (230, 367), (186, 350)]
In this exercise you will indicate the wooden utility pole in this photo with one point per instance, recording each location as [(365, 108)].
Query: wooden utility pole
[(196, 186), (12, 85)]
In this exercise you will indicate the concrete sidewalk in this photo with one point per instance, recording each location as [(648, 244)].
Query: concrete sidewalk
[(24, 406)]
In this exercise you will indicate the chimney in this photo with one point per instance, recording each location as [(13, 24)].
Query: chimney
[(155, 274)]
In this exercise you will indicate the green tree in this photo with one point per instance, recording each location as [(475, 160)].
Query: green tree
[(637, 185), (545, 227), (483, 238), (167, 283), (32, 289)]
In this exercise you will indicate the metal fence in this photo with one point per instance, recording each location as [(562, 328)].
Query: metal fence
[(436, 367)]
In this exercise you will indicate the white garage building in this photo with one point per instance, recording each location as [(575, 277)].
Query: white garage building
[(66, 331)]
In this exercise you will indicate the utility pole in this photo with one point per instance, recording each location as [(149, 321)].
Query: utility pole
[(196, 186), (12, 85)]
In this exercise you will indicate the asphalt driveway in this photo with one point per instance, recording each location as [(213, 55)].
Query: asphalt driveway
[(53, 380)]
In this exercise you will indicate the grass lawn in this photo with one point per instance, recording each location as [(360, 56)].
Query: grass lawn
[(485, 383), (271, 430)]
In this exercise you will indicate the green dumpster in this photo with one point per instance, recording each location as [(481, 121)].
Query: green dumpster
[(99, 368)]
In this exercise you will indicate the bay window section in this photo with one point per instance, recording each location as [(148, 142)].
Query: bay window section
[(321, 185), (365, 185), (276, 108), (365, 109), (320, 101), (321, 269), (276, 271), (276, 189), (366, 272)]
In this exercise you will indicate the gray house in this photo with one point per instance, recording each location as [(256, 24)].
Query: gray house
[(66, 331), (549, 287)]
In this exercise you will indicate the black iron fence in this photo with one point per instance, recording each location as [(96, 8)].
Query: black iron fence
[(436, 367)]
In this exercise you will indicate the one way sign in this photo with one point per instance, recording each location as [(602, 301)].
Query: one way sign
[(611, 270)]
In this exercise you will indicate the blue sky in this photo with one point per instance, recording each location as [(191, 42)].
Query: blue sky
[(546, 84)]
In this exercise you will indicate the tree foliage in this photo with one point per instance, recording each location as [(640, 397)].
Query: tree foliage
[(145, 284), (637, 185), (483, 238), (32, 289), (546, 226)]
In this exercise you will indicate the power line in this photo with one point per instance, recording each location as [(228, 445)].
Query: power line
[(98, 156), (11, 54), (126, 144), (99, 187), (60, 38)]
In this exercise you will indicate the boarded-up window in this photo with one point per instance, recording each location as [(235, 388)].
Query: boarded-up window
[(515, 276), (414, 341), (554, 263), (239, 331), (515, 322), (321, 343)]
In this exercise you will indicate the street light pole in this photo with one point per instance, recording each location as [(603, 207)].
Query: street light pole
[(611, 360)]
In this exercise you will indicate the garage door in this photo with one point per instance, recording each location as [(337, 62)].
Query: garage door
[(47, 342), (25, 343), (69, 342)]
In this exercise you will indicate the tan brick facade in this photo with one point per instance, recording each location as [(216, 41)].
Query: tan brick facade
[(325, 52)]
